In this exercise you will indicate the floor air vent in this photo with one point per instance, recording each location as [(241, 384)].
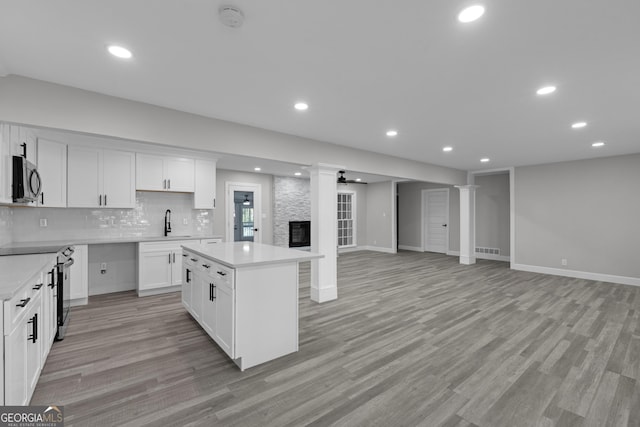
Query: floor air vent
[(492, 251)]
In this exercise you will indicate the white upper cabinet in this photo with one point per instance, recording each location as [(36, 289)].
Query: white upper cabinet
[(5, 164), (52, 165), (204, 196), (100, 178), (23, 142), (161, 173)]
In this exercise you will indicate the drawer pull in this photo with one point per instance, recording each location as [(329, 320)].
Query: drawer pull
[(185, 255), (206, 265), (222, 273), (194, 260), (37, 287), (23, 302)]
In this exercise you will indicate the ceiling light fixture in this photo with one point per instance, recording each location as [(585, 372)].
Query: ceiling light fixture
[(546, 90), (298, 173), (257, 169), (246, 201), (471, 13), (358, 179), (231, 16), (578, 125), (301, 106), (597, 144), (485, 160), (447, 149), (392, 132), (119, 51)]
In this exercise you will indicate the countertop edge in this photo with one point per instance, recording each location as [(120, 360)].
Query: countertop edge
[(302, 258)]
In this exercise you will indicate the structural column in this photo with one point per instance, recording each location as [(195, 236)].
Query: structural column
[(324, 232), (467, 223)]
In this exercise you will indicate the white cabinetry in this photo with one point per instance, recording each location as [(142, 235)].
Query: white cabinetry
[(52, 165), (219, 305), (5, 163), (23, 142), (100, 178), (79, 276), (160, 173), (189, 264), (159, 267), (23, 330), (204, 196)]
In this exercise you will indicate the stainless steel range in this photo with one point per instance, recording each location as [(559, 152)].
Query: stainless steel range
[(64, 290)]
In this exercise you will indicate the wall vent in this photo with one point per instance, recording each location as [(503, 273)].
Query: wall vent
[(491, 251)]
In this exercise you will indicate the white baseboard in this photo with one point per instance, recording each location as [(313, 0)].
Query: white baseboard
[(324, 294), (623, 280), (453, 253), (346, 250), (79, 301), (492, 257), (410, 248), (148, 292), (377, 249)]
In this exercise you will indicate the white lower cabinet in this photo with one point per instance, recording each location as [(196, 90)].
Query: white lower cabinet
[(159, 267)]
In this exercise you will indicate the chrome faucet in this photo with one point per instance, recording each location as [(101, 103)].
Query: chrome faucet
[(167, 222)]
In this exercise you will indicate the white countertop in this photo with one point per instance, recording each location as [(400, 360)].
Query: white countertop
[(103, 241), (249, 254), (17, 270)]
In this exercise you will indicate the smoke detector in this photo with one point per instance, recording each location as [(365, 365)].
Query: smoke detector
[(231, 16)]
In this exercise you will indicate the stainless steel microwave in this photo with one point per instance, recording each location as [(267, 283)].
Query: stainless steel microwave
[(26, 185)]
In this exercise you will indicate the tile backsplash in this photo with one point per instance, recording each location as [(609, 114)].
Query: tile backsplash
[(6, 225), (145, 220)]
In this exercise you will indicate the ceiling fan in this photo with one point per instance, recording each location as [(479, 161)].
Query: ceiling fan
[(343, 180)]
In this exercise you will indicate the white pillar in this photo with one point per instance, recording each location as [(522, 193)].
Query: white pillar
[(324, 232), (467, 223)]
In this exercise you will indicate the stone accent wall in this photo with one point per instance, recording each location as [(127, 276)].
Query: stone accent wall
[(291, 202)]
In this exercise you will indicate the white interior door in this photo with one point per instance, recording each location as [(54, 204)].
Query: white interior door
[(255, 190), (435, 214)]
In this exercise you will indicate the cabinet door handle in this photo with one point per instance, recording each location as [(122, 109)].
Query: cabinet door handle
[(23, 302), (52, 283), (24, 149), (37, 287), (174, 257), (169, 258), (213, 292), (105, 200), (214, 203), (169, 184), (34, 334), (164, 184), (188, 275), (100, 200), (210, 291), (42, 198)]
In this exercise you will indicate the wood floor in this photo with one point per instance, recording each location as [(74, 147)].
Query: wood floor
[(413, 339)]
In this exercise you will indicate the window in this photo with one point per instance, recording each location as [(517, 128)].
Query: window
[(346, 220)]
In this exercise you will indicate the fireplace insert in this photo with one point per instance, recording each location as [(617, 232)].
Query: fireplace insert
[(299, 234)]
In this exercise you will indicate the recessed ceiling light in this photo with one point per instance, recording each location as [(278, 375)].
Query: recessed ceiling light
[(119, 51), (546, 90), (298, 173), (392, 132), (471, 13), (301, 106), (578, 125), (358, 179), (485, 159), (447, 149), (597, 144), (257, 169)]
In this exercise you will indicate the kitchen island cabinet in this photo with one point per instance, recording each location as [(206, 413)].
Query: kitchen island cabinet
[(245, 296)]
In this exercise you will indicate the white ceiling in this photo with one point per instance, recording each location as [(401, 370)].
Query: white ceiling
[(363, 67)]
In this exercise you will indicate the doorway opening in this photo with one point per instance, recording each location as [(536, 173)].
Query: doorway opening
[(243, 212)]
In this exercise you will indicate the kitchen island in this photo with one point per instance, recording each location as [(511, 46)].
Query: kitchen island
[(245, 296)]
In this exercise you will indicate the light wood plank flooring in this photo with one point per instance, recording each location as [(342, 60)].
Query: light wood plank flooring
[(414, 339)]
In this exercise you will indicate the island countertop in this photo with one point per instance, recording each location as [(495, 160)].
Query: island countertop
[(247, 254)]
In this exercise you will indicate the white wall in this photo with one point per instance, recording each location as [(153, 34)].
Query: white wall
[(493, 212), (587, 212), (121, 275), (266, 183), (381, 216), (410, 214), (38, 103)]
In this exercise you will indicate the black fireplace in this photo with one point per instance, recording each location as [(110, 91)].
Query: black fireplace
[(299, 234)]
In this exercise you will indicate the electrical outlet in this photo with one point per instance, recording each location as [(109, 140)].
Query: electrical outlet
[(564, 261), (103, 268), (185, 221), (43, 222)]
